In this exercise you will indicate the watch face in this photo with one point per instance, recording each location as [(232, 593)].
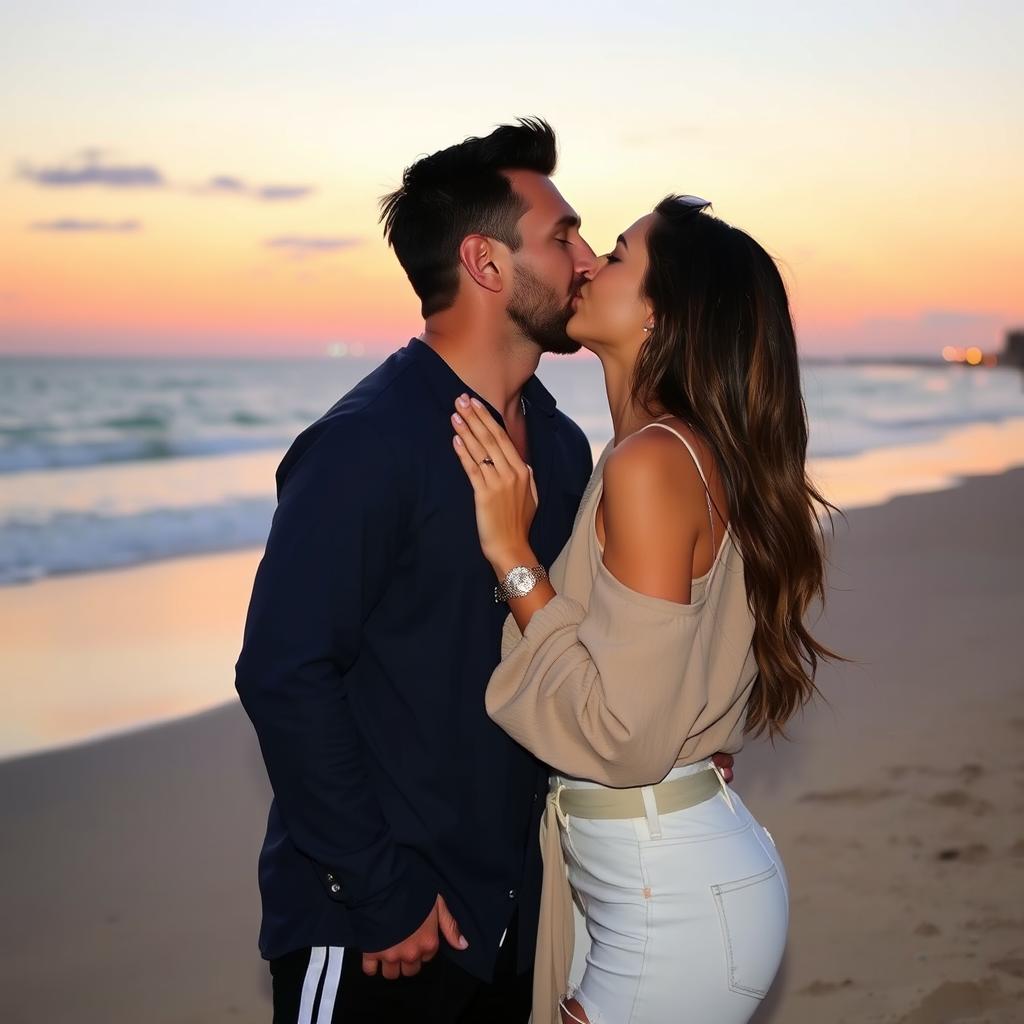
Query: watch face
[(520, 580)]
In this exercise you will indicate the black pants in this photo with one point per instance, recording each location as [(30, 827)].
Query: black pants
[(326, 985)]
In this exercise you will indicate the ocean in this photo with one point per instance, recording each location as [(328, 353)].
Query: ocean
[(106, 463)]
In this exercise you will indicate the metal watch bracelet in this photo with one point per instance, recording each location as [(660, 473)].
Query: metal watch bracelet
[(518, 582)]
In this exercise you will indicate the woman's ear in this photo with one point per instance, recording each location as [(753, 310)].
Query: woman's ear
[(482, 260), (648, 318)]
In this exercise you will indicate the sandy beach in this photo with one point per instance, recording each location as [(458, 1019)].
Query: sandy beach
[(128, 866)]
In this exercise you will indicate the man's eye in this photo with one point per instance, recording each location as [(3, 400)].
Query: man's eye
[(611, 258), (563, 241)]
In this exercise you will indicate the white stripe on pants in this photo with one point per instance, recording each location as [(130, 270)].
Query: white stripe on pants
[(318, 956)]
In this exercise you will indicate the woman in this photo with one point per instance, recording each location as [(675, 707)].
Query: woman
[(670, 626)]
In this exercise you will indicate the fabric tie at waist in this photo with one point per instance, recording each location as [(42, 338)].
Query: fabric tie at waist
[(555, 933)]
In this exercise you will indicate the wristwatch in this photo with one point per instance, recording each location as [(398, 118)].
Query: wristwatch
[(519, 581)]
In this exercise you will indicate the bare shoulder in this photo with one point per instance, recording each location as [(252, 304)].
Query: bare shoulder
[(655, 463), (653, 513)]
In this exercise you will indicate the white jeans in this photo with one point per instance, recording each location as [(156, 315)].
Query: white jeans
[(687, 912)]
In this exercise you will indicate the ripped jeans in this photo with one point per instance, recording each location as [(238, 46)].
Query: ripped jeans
[(687, 911)]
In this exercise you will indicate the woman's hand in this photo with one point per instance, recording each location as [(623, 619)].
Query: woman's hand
[(503, 488)]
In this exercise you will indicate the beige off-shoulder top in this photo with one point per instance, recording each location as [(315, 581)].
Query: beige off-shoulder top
[(618, 687)]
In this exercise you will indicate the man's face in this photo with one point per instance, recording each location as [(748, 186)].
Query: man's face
[(550, 266)]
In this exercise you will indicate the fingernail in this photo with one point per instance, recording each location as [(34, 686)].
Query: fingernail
[(479, 405), (458, 441), (463, 944), (462, 400), (457, 417)]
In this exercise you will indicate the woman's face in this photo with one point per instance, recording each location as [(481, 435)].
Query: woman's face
[(610, 311)]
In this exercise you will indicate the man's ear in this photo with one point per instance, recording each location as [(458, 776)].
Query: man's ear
[(483, 258)]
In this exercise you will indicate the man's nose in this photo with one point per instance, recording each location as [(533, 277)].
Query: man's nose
[(586, 260)]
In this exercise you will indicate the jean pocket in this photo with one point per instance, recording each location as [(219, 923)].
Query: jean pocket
[(754, 916)]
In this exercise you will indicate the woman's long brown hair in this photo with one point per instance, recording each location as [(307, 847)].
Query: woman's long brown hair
[(722, 356)]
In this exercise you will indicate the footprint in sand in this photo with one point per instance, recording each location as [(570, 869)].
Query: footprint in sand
[(812, 839), (912, 841), (853, 795), (956, 1000), (985, 924), (1013, 966), (927, 928), (968, 772), (824, 988), (973, 853), (960, 800)]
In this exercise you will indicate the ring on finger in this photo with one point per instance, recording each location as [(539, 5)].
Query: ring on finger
[(487, 461)]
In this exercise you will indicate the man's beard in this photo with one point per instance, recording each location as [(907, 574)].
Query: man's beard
[(535, 309)]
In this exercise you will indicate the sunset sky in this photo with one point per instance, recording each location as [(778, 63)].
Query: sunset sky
[(203, 178)]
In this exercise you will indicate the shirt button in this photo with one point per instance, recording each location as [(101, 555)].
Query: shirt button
[(511, 894), (330, 877), (335, 887)]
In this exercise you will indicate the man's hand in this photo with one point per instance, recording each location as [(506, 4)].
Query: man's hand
[(724, 761), (407, 957)]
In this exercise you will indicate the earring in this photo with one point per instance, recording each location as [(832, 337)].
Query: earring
[(646, 328)]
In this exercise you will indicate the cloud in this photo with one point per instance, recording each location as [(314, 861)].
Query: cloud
[(90, 167), (93, 171), (308, 245), (225, 183), (74, 225), (230, 185), (275, 192)]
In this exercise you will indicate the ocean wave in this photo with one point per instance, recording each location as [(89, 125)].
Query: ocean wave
[(23, 455), (109, 464), (931, 420), (33, 548)]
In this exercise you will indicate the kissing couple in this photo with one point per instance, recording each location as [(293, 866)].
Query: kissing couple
[(491, 678)]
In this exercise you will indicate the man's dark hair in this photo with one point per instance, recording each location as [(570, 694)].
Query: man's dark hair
[(461, 191)]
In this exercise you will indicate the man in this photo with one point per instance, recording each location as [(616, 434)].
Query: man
[(400, 874)]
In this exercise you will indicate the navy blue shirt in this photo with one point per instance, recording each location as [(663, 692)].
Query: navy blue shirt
[(371, 634)]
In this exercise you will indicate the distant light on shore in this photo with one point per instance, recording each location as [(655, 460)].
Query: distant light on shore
[(973, 356)]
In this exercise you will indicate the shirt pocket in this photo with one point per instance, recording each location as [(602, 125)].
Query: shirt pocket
[(753, 913)]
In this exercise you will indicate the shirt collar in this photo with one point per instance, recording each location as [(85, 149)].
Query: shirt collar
[(447, 385)]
